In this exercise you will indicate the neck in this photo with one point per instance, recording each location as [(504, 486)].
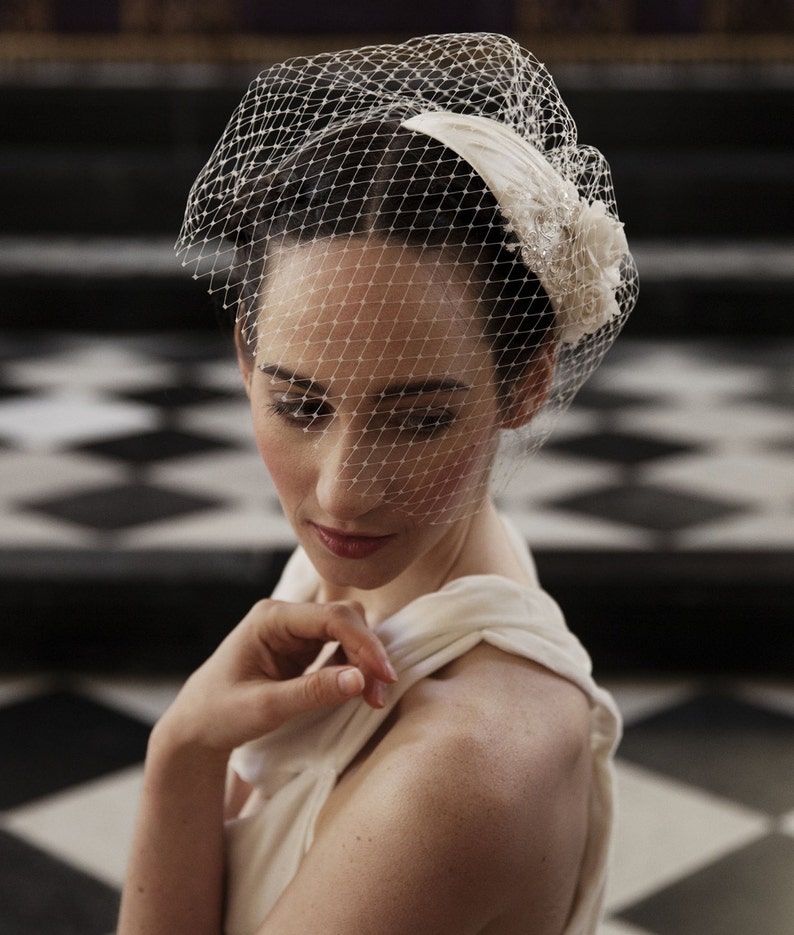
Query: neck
[(475, 545)]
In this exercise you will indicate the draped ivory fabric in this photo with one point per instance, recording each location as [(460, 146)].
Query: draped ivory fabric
[(295, 768)]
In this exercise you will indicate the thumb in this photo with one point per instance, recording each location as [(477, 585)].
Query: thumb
[(321, 689)]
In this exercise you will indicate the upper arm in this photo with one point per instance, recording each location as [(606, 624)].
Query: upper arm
[(443, 830)]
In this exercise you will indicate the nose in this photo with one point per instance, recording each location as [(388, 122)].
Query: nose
[(348, 482)]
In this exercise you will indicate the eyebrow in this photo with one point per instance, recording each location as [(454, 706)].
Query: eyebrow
[(417, 387)]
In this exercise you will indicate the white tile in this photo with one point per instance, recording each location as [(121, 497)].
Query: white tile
[(237, 527), (25, 475), (639, 699), (224, 418), (222, 375), (142, 698), (737, 425), (759, 476), (574, 422), (548, 476), (675, 371), (27, 530), (779, 696), (667, 830), (237, 476), (757, 530), (89, 365), (553, 529), (90, 825), (49, 421)]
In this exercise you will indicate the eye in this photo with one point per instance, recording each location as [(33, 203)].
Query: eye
[(303, 411), (424, 422)]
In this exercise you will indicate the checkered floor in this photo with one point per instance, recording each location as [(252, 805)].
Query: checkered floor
[(136, 442), (705, 842), (139, 445)]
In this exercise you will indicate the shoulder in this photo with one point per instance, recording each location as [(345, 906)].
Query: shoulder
[(479, 789), (508, 712)]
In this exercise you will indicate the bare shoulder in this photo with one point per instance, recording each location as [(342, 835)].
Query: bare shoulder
[(514, 706), (519, 735), (479, 786)]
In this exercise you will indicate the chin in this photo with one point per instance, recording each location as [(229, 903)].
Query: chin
[(362, 574)]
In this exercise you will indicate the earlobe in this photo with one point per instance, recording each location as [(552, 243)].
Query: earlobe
[(245, 360), (532, 390)]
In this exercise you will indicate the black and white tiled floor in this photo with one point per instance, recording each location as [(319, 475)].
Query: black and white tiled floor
[(705, 840), (143, 442), (137, 449)]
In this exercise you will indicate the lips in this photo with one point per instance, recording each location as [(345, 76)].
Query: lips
[(349, 545)]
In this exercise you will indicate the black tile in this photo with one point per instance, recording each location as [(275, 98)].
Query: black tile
[(159, 445), (781, 397), (179, 395), (650, 507), (16, 346), (603, 399), (185, 348), (618, 447), (731, 748), (120, 506), (10, 392), (60, 739), (749, 891), (40, 895)]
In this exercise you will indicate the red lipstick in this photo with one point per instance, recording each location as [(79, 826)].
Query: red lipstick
[(348, 545)]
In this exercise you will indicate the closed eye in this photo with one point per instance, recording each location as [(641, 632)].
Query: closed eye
[(306, 412), (426, 422)]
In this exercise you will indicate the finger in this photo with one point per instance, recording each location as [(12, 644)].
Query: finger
[(360, 644), (322, 689), (286, 628)]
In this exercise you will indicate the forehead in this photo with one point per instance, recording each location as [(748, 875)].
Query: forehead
[(354, 300)]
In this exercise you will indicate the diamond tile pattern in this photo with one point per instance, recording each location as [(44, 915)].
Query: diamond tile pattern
[(159, 445), (618, 447), (650, 507), (699, 846), (747, 891), (722, 744), (45, 731), (671, 444), (41, 894), (120, 507)]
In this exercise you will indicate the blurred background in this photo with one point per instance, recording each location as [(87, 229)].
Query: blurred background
[(137, 526)]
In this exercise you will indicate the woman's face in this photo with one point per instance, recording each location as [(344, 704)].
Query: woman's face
[(373, 403)]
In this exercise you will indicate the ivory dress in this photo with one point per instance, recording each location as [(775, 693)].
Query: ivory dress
[(294, 768)]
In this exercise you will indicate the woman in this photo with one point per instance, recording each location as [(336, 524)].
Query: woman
[(422, 264)]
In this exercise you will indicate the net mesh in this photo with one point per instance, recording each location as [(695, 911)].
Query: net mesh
[(422, 262)]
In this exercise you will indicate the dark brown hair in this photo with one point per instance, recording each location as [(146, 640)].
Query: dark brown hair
[(377, 178)]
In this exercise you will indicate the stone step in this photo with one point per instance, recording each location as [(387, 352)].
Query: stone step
[(690, 193), (694, 152), (126, 283)]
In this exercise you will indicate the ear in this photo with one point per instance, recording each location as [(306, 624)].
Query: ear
[(245, 360), (532, 389)]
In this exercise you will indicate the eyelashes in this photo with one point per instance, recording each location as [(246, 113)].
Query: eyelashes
[(313, 414)]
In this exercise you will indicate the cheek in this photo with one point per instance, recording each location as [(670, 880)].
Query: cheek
[(453, 480), (286, 469)]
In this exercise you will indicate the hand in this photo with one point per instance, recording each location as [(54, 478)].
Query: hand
[(256, 681)]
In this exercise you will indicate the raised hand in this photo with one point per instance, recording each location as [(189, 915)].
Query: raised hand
[(256, 679)]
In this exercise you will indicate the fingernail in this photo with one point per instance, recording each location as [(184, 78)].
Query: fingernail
[(379, 690), (391, 670), (350, 682)]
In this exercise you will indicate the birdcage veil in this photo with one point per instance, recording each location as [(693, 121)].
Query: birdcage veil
[(445, 162)]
